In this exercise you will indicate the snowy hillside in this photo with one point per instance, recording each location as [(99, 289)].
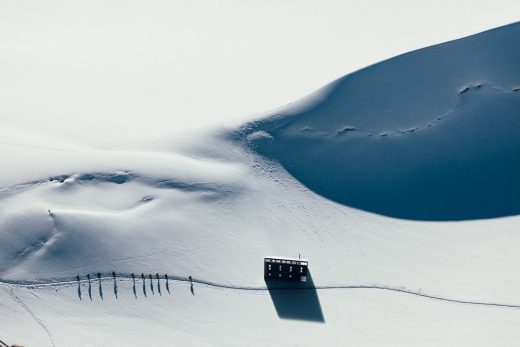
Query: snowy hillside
[(430, 135), (399, 183)]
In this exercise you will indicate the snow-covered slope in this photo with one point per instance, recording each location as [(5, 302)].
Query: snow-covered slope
[(433, 134), (430, 136)]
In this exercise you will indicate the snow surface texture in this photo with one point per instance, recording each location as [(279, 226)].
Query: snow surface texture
[(430, 135), (431, 129)]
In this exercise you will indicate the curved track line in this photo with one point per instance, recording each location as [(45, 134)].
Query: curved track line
[(174, 278), (28, 310)]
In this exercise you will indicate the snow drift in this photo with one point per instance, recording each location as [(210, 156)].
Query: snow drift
[(433, 134)]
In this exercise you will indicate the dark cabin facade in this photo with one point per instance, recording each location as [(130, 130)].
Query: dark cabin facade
[(287, 269)]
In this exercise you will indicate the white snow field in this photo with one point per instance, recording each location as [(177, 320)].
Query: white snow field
[(399, 183)]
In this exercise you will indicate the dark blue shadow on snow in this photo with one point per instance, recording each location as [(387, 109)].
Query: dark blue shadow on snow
[(446, 172), (295, 300), (398, 140)]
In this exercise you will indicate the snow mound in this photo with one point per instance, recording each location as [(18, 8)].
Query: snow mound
[(429, 135), (80, 209)]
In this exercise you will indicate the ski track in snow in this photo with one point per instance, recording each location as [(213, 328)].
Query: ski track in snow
[(31, 313), (173, 278)]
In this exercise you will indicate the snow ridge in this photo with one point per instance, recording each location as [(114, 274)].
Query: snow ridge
[(428, 135)]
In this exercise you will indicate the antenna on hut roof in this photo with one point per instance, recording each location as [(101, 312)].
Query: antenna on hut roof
[(299, 256)]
